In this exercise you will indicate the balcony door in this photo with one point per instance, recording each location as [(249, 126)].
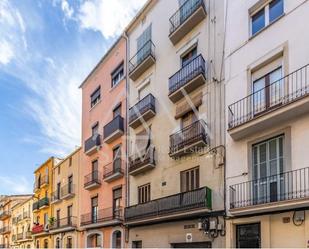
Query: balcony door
[(70, 184), (267, 166), (144, 45), (94, 171), (117, 195), (117, 159), (70, 213), (268, 91), (94, 209)]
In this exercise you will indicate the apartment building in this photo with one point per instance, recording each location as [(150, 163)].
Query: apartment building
[(6, 205), (267, 86), (176, 125), (41, 208), (65, 201), (104, 148), (22, 221)]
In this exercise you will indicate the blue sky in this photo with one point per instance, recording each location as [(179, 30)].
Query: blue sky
[(47, 47)]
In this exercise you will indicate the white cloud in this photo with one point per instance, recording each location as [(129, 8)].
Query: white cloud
[(67, 9), (6, 52), (15, 184), (108, 17)]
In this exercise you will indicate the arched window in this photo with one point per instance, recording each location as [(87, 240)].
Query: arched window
[(116, 242), (46, 243), (57, 243), (69, 242), (37, 244), (94, 240)]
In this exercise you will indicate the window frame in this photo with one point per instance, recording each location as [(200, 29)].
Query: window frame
[(196, 179), (95, 101), (115, 73), (144, 193)]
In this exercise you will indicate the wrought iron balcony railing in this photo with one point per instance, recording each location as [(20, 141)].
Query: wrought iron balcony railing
[(67, 190), (20, 236), (142, 161), (186, 76), (188, 139), (291, 185), (116, 167), (56, 196), (146, 104), (92, 143), (35, 206), (5, 214), (5, 229), (184, 12), (93, 178), (181, 202), (286, 90), (43, 202), (102, 215), (113, 129), (70, 221)]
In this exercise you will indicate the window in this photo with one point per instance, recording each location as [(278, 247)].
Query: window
[(46, 243), (117, 158), (70, 161), (69, 242), (248, 236), (117, 111), (117, 195), (58, 218), (95, 96), (116, 239), (144, 91), (143, 45), (188, 119), (58, 170), (58, 190), (117, 74), (94, 165), (188, 57), (190, 179), (95, 129), (267, 159), (70, 214), (137, 244), (94, 209), (45, 219), (266, 15), (70, 184), (144, 193), (268, 91), (37, 244), (58, 243)]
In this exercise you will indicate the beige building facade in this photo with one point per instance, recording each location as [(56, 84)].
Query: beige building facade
[(22, 221), (266, 77), (65, 201), (176, 125)]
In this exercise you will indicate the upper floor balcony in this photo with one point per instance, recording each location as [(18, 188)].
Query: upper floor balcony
[(188, 140), (5, 230), (103, 217), (190, 13), (142, 60), (114, 170), (24, 236), (142, 111), (93, 180), (287, 190), (37, 228), (5, 214), (92, 144), (187, 79), (184, 204), (26, 215), (113, 129), (43, 203), (143, 161), (279, 101), (68, 191), (35, 206), (55, 197), (63, 225)]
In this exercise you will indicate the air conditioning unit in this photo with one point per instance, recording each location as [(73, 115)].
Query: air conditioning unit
[(189, 237)]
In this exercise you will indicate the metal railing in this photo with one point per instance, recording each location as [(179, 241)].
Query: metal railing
[(5, 229), (286, 90), (112, 168), (94, 177), (35, 206), (184, 12), (139, 160), (20, 236), (5, 213), (56, 196), (70, 221), (112, 126), (280, 187), (142, 106), (181, 202), (92, 142), (146, 50), (188, 72), (187, 136), (67, 189), (102, 215), (26, 215), (44, 202)]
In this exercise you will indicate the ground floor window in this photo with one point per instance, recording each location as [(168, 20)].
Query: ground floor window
[(137, 244), (45, 243), (94, 240), (57, 243), (248, 235), (69, 242), (116, 239)]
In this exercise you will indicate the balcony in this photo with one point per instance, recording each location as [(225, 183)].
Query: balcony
[(44, 181), (92, 180), (274, 104), (113, 129), (92, 144), (5, 230), (68, 191), (142, 162), (64, 225), (288, 190), (191, 13), (144, 110), (20, 236), (24, 236), (55, 197), (114, 170), (35, 206), (36, 229), (188, 140), (5, 214), (26, 215), (142, 60), (187, 204), (187, 79), (104, 217), (43, 203)]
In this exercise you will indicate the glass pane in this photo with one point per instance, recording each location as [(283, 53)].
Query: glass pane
[(277, 86), (259, 95), (275, 9), (263, 153), (263, 170), (273, 169), (258, 21), (273, 149)]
